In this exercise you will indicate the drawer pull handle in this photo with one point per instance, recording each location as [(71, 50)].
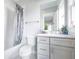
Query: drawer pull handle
[(42, 49), (42, 40)]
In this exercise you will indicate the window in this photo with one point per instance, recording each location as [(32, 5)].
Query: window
[(61, 15), (71, 15)]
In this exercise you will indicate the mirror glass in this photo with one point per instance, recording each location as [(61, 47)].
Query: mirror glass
[(52, 15)]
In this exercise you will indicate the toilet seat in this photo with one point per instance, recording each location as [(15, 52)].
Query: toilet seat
[(25, 51)]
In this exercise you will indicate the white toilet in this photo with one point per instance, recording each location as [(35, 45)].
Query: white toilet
[(26, 50)]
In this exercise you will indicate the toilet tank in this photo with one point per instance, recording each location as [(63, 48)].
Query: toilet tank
[(31, 40)]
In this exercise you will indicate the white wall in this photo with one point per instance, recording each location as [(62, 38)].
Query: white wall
[(32, 17), (9, 24)]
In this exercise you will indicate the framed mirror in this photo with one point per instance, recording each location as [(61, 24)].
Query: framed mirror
[(52, 13)]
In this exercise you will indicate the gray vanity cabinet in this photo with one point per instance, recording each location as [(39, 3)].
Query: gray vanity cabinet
[(55, 48)]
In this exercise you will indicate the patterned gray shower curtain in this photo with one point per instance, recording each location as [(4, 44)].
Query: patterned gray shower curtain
[(19, 25)]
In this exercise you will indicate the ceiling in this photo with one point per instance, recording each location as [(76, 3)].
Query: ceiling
[(50, 6), (25, 2), (46, 5), (45, 2)]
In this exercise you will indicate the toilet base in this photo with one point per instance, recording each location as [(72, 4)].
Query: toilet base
[(26, 57)]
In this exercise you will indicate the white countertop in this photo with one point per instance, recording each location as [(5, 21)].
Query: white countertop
[(57, 35)]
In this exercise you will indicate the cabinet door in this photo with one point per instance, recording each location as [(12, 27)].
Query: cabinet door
[(58, 52)]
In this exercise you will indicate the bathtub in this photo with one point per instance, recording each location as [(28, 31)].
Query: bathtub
[(12, 53)]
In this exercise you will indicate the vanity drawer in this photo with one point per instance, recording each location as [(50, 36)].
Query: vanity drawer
[(44, 40), (63, 42), (42, 57), (43, 49)]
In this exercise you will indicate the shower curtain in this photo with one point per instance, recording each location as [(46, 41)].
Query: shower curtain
[(19, 25)]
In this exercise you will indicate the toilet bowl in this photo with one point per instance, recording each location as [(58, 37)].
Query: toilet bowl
[(25, 52)]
